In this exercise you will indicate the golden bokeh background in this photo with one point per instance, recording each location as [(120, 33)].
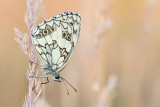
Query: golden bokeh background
[(130, 51)]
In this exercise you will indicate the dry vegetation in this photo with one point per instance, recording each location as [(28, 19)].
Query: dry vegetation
[(124, 68), (24, 40)]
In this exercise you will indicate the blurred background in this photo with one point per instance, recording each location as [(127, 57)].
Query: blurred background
[(116, 62)]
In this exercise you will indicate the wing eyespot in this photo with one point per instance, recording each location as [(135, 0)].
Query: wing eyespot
[(53, 29), (69, 38), (64, 34), (45, 32)]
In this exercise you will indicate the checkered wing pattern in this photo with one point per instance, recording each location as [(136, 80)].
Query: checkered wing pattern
[(55, 39)]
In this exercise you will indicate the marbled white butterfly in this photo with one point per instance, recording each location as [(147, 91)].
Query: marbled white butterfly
[(54, 41)]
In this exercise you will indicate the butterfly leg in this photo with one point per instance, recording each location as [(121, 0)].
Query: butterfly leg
[(46, 81), (42, 77), (41, 82), (35, 63)]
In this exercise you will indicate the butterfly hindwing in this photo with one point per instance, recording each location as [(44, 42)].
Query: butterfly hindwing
[(55, 39)]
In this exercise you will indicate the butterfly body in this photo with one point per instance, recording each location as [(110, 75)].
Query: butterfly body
[(54, 41)]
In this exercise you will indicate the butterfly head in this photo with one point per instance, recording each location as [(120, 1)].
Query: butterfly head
[(57, 78), (49, 71)]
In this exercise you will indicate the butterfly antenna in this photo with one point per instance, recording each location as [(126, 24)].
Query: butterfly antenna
[(65, 86), (68, 83)]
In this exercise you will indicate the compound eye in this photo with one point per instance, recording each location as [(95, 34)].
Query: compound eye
[(57, 77)]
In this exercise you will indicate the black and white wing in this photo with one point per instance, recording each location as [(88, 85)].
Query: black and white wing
[(55, 39)]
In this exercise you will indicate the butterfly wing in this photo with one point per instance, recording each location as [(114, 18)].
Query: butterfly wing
[(55, 39)]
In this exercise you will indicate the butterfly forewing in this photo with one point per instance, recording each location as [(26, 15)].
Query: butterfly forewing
[(54, 40)]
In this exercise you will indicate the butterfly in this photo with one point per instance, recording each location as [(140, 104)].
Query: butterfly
[(54, 41)]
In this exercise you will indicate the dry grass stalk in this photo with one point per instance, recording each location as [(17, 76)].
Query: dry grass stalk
[(144, 45), (103, 21), (107, 93), (24, 40), (103, 24)]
